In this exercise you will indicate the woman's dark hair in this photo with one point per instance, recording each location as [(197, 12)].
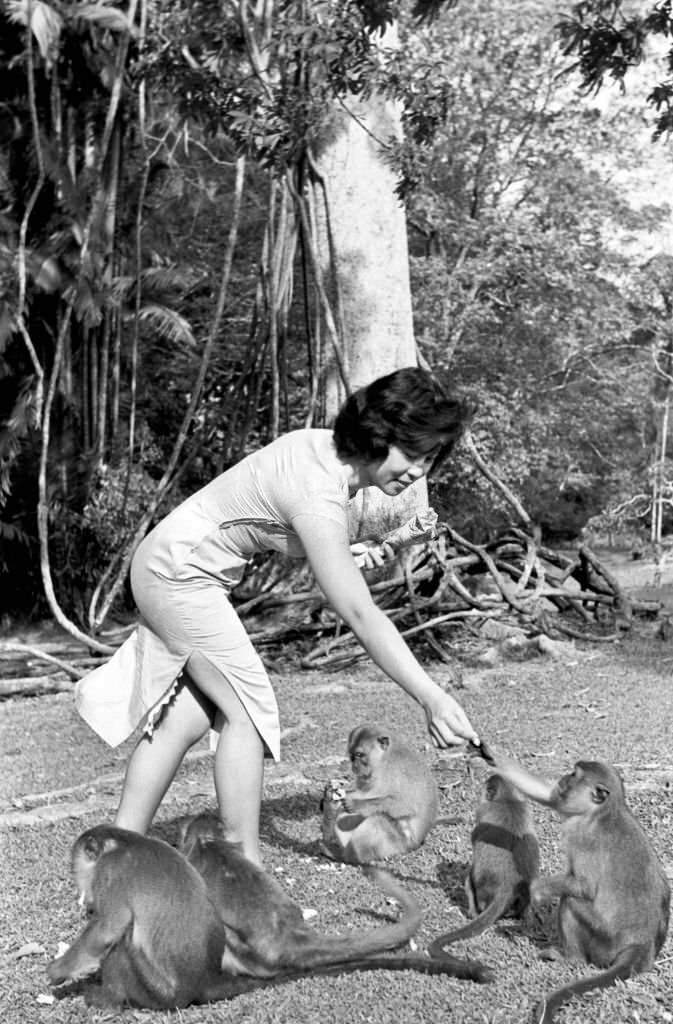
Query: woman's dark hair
[(406, 408)]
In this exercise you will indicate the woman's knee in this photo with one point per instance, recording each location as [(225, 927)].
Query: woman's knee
[(189, 715), (215, 689)]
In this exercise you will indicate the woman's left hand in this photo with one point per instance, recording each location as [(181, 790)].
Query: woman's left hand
[(448, 724), (371, 556)]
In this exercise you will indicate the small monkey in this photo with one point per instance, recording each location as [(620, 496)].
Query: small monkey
[(391, 807), (267, 934), (505, 861), (614, 896)]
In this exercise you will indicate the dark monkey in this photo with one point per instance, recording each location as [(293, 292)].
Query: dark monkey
[(152, 931), (505, 861), (614, 896), (267, 934), (391, 807), (155, 938)]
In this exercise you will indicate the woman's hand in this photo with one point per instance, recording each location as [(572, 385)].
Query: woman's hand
[(371, 556), (448, 724)]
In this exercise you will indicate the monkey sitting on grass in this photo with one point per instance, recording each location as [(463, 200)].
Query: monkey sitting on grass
[(614, 896), (505, 862), (391, 806)]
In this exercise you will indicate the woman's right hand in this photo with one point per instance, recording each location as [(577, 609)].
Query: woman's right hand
[(448, 724)]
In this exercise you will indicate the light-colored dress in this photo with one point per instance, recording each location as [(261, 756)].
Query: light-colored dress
[(184, 570)]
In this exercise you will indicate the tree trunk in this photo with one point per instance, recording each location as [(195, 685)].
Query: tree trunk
[(363, 257)]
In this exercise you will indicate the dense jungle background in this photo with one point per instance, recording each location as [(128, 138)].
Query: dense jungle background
[(163, 310)]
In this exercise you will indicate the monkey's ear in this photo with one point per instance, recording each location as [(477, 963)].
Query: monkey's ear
[(91, 848), (599, 794), (384, 741)]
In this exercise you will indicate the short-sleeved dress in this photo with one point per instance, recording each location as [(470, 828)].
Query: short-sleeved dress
[(184, 570)]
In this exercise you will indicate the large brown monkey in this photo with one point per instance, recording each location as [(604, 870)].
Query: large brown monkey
[(505, 861), (391, 807), (614, 896), (155, 938), (271, 936)]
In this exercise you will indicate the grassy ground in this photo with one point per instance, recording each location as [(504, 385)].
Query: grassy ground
[(611, 701)]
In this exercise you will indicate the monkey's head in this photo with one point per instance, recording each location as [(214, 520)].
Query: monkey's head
[(497, 788), (86, 853), (199, 827), (367, 745), (591, 786)]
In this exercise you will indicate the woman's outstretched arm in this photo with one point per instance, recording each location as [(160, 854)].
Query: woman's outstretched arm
[(340, 580)]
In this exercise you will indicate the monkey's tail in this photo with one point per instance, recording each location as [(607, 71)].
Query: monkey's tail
[(228, 987), (489, 915), (328, 949), (630, 961)]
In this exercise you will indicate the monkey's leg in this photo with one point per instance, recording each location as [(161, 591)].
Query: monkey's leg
[(630, 961), (88, 951), (376, 838)]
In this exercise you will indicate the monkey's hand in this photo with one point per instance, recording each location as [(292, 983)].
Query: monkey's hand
[(335, 790), (541, 892), (332, 802), (65, 969), (481, 750)]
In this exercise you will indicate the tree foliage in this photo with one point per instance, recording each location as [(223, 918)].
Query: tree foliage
[(123, 131), (610, 37)]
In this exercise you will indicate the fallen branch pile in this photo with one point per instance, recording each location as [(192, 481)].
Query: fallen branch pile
[(450, 582)]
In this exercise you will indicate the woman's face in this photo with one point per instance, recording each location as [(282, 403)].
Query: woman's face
[(398, 470)]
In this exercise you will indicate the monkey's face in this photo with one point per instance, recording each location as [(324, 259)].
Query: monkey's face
[(84, 870), (361, 762), (581, 791), (86, 853), (366, 749)]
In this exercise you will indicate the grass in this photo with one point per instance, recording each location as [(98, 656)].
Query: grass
[(611, 702)]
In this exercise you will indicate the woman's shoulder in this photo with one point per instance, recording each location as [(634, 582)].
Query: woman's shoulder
[(303, 472), (311, 448)]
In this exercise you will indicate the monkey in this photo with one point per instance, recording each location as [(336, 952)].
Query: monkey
[(391, 807), (152, 931), (154, 938), (614, 896), (273, 937), (505, 861)]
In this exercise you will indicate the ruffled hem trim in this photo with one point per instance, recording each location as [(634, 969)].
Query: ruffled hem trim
[(155, 712)]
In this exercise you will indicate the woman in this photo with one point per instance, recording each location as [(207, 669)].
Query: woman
[(190, 665)]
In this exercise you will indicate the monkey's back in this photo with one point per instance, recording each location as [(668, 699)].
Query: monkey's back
[(412, 790), (505, 854), (172, 950)]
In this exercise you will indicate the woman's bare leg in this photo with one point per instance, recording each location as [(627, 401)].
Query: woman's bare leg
[(152, 765), (239, 758)]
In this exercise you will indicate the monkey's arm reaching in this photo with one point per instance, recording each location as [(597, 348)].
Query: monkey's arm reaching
[(533, 786)]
